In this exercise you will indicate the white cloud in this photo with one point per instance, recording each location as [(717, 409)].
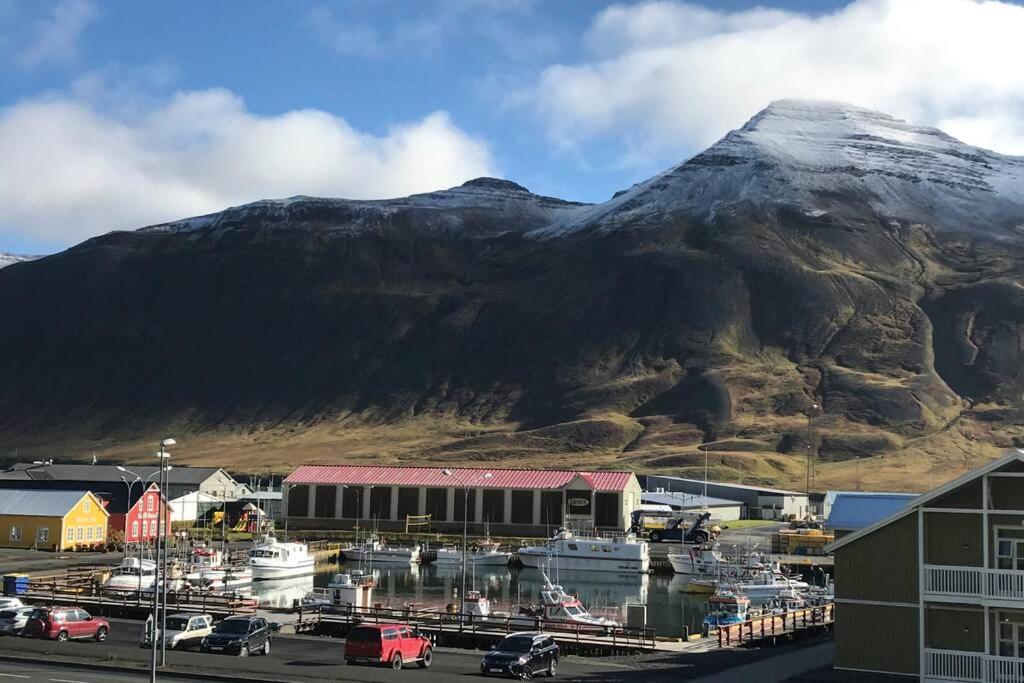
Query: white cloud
[(672, 77), (55, 37), (70, 170)]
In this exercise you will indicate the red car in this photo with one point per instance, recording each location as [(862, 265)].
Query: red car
[(65, 623), (390, 644)]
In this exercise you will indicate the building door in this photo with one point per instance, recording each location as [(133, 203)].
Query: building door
[(1010, 635)]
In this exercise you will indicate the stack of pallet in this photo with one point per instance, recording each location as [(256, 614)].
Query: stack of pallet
[(802, 541)]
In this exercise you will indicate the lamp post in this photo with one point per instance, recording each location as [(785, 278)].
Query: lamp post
[(128, 506), (161, 576), (465, 530), (142, 533), (810, 445)]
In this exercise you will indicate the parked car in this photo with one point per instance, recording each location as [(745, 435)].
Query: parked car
[(65, 623), (240, 636), (11, 603), (393, 645), (12, 621), (183, 631), (522, 655)]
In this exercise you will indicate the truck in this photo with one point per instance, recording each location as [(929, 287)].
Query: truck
[(678, 531)]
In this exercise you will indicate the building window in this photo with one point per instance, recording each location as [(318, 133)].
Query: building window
[(464, 505), (380, 502), (298, 501), (43, 534), (86, 505), (79, 533), (88, 533), (324, 498), (1010, 549), (522, 507), (1010, 635), (135, 529), (578, 503), (352, 502), (437, 505), (493, 505), (70, 535), (550, 507), (408, 502), (15, 533), (607, 512), (150, 498), (99, 533)]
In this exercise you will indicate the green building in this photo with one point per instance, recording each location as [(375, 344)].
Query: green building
[(935, 591)]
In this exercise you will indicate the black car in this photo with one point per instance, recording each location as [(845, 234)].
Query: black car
[(240, 636), (522, 655)]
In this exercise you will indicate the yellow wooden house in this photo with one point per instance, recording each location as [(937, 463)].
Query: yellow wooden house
[(52, 520)]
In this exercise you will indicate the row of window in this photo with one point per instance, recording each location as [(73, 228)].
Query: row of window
[(88, 533), (606, 508), (149, 528)]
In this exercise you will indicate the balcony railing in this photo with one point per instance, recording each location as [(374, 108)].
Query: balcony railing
[(974, 582), (971, 667)]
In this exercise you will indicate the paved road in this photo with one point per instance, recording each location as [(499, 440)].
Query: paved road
[(31, 672)]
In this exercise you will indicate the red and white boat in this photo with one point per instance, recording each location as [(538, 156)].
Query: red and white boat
[(208, 571)]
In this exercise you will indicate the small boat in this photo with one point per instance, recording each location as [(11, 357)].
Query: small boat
[(617, 553), (208, 572), (703, 562), (132, 574), (344, 592), (376, 550), (727, 607), (765, 584), (788, 600), (484, 555), (558, 608), (273, 559)]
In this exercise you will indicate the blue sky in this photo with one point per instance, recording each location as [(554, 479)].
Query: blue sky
[(117, 114)]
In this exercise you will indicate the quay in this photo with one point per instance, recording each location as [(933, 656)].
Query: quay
[(774, 626)]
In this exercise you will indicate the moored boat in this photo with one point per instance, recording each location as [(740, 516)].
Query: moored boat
[(711, 561), (376, 550), (727, 607), (594, 553), (132, 574), (559, 608), (273, 559)]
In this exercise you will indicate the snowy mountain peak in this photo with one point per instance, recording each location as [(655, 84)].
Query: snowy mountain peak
[(814, 156), (10, 259), (495, 184)]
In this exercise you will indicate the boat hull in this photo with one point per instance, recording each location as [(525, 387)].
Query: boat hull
[(382, 557), (537, 560), (269, 572)]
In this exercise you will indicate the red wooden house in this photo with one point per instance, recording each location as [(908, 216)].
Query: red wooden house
[(142, 518)]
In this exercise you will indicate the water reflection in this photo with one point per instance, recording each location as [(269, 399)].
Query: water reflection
[(668, 607)]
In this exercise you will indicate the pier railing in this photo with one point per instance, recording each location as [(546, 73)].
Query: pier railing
[(973, 582), (444, 623), (771, 625), (81, 590)]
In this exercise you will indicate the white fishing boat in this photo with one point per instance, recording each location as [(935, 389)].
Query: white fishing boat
[(344, 592), (487, 555), (132, 574), (375, 551), (558, 608), (208, 571), (622, 553), (273, 559), (712, 561), (766, 584)]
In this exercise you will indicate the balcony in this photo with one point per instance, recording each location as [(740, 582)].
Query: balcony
[(1001, 586), (952, 666)]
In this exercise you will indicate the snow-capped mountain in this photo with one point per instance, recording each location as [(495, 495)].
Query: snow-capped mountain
[(9, 259), (812, 155), (822, 253)]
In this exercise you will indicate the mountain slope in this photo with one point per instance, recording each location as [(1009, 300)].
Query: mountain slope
[(821, 254)]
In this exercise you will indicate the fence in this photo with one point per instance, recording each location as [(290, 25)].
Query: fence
[(775, 625)]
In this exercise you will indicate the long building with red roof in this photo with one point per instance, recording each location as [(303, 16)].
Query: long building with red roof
[(509, 501)]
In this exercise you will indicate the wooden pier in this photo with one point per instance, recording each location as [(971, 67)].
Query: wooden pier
[(774, 626), (473, 632)]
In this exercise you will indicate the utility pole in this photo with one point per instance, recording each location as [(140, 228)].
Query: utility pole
[(810, 446)]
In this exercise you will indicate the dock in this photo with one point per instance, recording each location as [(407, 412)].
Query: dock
[(774, 626)]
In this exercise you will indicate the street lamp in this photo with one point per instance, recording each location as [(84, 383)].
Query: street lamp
[(465, 530), (810, 444), (161, 543)]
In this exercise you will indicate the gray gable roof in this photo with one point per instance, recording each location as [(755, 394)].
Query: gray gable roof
[(102, 473), (38, 503)]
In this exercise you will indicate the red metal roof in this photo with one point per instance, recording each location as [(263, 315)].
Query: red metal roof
[(361, 475)]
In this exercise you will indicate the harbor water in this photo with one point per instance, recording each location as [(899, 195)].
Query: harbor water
[(430, 587)]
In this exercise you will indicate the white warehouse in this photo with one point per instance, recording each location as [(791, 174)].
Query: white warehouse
[(759, 502)]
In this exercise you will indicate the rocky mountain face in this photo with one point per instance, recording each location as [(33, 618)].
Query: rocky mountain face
[(823, 254), (10, 259)]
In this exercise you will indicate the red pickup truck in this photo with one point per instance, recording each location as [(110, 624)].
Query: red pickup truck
[(388, 644)]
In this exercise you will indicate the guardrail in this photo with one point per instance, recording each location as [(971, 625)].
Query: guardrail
[(975, 582), (75, 591), (770, 625), (441, 623), (954, 666)]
